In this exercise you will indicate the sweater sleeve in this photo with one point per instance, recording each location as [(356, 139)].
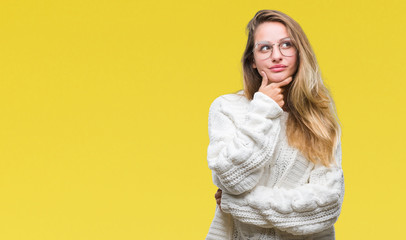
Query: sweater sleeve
[(238, 150), (306, 209)]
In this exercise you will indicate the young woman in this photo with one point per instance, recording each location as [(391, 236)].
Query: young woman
[(275, 150)]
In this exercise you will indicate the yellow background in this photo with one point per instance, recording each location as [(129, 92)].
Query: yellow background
[(104, 105)]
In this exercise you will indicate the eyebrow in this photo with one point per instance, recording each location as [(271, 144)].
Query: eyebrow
[(264, 41)]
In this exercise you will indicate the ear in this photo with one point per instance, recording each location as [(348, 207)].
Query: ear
[(253, 63)]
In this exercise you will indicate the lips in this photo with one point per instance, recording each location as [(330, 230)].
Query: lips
[(278, 66)]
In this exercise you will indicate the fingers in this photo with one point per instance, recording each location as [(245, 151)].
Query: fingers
[(218, 197), (264, 79), (218, 194), (274, 90)]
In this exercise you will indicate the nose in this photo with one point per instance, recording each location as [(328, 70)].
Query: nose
[(276, 55)]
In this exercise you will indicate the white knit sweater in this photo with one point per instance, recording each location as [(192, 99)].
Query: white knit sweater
[(270, 190)]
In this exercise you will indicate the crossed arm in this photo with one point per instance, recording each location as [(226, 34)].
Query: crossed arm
[(306, 209)]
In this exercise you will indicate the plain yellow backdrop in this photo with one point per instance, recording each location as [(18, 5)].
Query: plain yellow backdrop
[(104, 105)]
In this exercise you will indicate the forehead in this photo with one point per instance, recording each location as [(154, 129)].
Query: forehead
[(270, 31)]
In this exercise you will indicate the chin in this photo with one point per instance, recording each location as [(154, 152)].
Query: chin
[(279, 78), (276, 80)]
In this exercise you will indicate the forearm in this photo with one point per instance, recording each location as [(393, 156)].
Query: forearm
[(298, 219), (305, 209), (238, 150)]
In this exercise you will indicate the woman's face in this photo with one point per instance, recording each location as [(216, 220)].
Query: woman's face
[(273, 32)]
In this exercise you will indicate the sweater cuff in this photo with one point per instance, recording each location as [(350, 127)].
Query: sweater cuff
[(263, 103), (224, 202)]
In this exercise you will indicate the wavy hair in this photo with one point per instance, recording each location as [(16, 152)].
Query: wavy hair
[(312, 126)]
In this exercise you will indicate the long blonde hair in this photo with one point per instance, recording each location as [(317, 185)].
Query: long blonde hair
[(312, 126)]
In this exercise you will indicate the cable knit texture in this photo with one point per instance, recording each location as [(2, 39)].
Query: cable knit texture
[(270, 190)]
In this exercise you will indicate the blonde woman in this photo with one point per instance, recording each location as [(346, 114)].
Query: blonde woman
[(275, 150)]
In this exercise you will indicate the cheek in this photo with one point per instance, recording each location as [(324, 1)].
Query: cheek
[(295, 64), (260, 65)]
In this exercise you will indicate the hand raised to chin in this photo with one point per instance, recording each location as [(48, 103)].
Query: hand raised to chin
[(274, 90)]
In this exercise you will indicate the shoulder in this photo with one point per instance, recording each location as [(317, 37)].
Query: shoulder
[(229, 100)]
